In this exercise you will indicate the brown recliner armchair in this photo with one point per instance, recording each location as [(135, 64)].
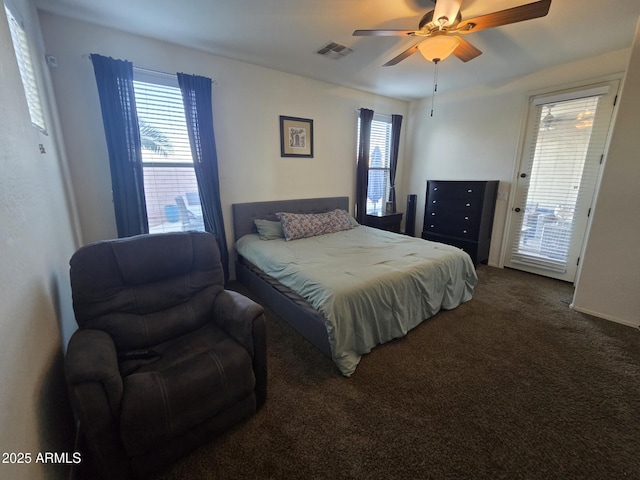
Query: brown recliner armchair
[(165, 358)]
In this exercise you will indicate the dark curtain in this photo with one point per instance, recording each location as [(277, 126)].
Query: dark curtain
[(197, 98), (396, 125), (117, 102), (362, 169)]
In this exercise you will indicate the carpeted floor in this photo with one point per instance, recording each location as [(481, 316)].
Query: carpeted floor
[(511, 385)]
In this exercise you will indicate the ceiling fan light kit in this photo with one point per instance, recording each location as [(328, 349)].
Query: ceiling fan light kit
[(438, 47)]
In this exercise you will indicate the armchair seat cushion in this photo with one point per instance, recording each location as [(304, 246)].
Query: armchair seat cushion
[(197, 376)]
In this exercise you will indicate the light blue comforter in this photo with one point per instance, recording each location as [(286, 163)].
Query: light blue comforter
[(371, 285)]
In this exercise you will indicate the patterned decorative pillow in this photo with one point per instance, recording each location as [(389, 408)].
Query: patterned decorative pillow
[(304, 225)]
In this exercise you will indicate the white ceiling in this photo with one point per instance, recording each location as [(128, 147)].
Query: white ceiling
[(284, 34)]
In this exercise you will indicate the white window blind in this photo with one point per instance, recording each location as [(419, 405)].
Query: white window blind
[(379, 163), (27, 73), (560, 164), (171, 188)]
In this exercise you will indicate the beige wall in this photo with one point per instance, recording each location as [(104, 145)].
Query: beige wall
[(609, 282), (247, 103), (36, 240)]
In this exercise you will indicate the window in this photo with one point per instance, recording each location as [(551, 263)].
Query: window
[(170, 185), (379, 163), (27, 73)]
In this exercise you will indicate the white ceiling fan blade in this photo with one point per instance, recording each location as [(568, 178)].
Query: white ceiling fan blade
[(448, 9)]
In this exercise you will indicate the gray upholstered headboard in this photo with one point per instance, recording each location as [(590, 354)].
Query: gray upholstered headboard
[(245, 213)]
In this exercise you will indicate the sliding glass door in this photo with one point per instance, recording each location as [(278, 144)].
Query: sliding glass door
[(565, 138)]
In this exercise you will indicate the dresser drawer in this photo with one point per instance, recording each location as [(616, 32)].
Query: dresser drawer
[(468, 207), (453, 224), (464, 191)]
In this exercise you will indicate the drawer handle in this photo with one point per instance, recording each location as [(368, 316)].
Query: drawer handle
[(435, 188), (469, 191), (468, 204), (466, 218), (433, 201), (431, 226), (464, 231), (433, 214)]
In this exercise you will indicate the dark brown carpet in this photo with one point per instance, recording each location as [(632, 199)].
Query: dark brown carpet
[(511, 385)]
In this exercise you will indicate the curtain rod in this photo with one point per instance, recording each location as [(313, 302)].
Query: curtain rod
[(153, 72), (147, 70), (376, 113)]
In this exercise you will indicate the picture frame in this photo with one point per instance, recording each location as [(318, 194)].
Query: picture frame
[(296, 137)]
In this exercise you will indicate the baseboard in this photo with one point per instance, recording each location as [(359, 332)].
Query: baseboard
[(605, 317)]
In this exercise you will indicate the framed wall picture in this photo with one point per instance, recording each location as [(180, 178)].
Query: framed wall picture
[(296, 137)]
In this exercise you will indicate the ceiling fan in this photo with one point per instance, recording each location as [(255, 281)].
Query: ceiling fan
[(440, 27)]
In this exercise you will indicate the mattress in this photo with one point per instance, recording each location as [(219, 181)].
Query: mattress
[(370, 285)]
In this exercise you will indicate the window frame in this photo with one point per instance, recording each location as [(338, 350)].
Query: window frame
[(159, 79), (379, 118), (23, 49)]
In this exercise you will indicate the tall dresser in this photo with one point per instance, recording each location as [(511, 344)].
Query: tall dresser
[(460, 213)]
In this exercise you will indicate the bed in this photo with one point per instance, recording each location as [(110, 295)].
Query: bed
[(349, 290)]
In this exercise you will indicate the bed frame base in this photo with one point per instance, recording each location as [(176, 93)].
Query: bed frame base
[(292, 308), (309, 326)]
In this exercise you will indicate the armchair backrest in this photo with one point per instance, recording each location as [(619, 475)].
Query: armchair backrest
[(146, 289)]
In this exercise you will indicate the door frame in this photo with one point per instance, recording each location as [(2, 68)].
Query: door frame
[(522, 145)]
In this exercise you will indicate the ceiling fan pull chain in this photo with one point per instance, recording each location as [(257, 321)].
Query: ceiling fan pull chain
[(435, 85)]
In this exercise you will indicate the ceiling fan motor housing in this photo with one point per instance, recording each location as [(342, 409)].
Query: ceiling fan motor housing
[(427, 23)]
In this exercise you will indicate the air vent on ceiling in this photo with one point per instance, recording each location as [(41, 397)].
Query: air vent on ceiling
[(334, 50)]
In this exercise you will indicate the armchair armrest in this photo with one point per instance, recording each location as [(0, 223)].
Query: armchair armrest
[(95, 388), (236, 314), (244, 320), (92, 358)]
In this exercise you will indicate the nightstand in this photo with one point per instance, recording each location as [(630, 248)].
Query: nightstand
[(384, 221)]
